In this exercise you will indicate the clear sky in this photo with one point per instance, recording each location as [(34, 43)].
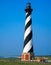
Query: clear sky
[(12, 24)]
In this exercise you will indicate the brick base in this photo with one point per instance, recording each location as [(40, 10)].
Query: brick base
[(27, 56)]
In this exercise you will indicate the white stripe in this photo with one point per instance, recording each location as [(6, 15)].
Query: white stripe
[(26, 13), (27, 47), (27, 20), (28, 30)]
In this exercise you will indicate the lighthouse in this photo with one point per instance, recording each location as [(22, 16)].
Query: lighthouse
[(27, 53)]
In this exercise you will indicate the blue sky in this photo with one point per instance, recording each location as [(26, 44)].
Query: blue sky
[(12, 24)]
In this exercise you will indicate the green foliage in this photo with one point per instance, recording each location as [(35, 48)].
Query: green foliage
[(15, 61)]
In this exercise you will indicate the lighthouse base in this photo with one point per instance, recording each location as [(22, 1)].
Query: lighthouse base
[(27, 56)]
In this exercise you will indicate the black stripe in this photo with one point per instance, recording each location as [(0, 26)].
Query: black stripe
[(31, 50), (28, 24), (28, 15), (28, 38)]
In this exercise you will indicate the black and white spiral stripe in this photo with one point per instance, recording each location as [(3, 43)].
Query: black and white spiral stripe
[(28, 47)]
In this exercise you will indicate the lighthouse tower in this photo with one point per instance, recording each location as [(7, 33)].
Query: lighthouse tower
[(27, 54)]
